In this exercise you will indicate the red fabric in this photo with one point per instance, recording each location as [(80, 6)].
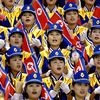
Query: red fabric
[(40, 14), (2, 17), (44, 94), (75, 42), (96, 13)]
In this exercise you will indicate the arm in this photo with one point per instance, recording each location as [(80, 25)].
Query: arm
[(17, 96), (92, 96)]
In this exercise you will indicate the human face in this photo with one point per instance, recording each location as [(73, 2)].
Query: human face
[(34, 90), (15, 64), (90, 2), (9, 3), (97, 61), (95, 36), (51, 2), (71, 17), (16, 40), (57, 66), (80, 90), (28, 19), (54, 39)]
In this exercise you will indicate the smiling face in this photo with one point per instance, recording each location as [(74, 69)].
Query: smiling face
[(57, 66), (71, 17), (34, 91), (80, 90), (54, 39), (15, 64), (95, 36), (28, 19), (16, 39)]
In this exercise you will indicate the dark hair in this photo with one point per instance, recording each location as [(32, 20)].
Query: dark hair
[(22, 34), (45, 3), (83, 3), (58, 58), (8, 60), (68, 11), (7, 67), (61, 44), (25, 94), (73, 92), (89, 32), (3, 4), (25, 12)]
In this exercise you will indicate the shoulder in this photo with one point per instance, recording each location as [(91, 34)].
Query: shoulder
[(60, 10), (91, 75), (67, 80), (24, 75), (82, 29), (65, 52), (45, 53), (47, 81)]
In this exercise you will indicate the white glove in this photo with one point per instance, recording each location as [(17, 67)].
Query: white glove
[(53, 93), (70, 74), (75, 56), (97, 90), (91, 63), (83, 36), (2, 43), (48, 73), (36, 42), (65, 87), (69, 47), (17, 96)]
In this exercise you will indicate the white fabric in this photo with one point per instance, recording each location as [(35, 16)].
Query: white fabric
[(48, 73), (36, 42), (17, 96), (2, 43), (75, 56), (65, 87), (91, 63), (97, 90), (53, 93)]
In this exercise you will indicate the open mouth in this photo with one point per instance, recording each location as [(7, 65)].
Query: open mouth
[(99, 63), (72, 19), (50, 0), (82, 92), (27, 20), (96, 38), (59, 68), (18, 66), (10, 1), (54, 40), (16, 42), (91, 0), (34, 92)]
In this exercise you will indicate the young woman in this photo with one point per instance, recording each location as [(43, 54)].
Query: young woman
[(33, 89), (11, 11), (80, 86)]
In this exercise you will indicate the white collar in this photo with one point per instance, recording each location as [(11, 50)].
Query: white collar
[(53, 10), (75, 29), (18, 75), (86, 9), (6, 9), (52, 49)]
